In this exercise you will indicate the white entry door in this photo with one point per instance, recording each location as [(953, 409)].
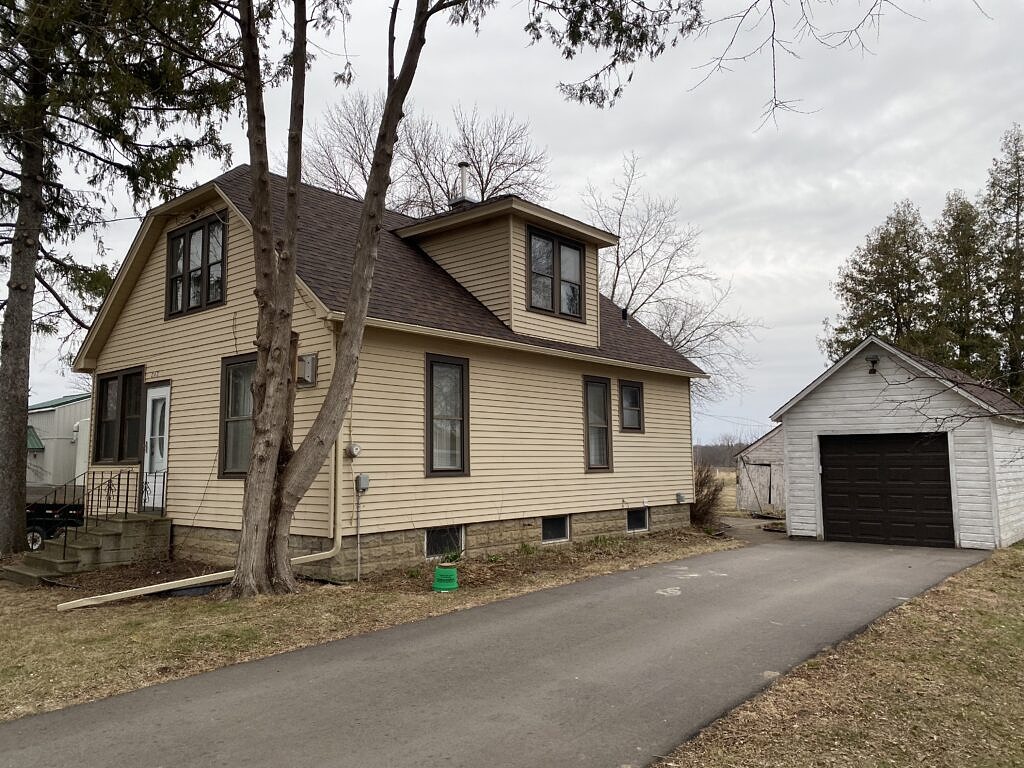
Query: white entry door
[(154, 466)]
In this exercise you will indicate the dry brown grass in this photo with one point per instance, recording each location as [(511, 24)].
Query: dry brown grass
[(727, 501), (936, 683), (49, 660)]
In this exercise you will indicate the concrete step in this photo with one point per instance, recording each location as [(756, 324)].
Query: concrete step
[(28, 575), (53, 561)]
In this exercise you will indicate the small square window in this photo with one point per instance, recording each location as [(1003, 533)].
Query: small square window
[(636, 519), (445, 542), (554, 528)]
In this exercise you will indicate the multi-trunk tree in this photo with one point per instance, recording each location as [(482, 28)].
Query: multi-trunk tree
[(100, 92), (619, 32)]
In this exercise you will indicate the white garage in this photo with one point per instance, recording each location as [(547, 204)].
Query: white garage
[(887, 447)]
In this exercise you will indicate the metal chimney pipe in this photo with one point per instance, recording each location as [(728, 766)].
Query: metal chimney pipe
[(464, 180)]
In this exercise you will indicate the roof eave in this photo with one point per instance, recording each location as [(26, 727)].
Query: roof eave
[(87, 358), (777, 416), (490, 341), (507, 205)]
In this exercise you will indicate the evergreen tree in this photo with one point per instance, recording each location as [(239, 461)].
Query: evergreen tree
[(960, 270), (101, 87), (883, 287), (1003, 205)]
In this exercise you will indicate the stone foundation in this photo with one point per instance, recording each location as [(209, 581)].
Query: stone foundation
[(406, 549)]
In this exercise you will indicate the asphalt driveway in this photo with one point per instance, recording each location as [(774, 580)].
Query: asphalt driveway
[(609, 672)]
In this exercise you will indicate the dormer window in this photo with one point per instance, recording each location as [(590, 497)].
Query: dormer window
[(556, 275), (195, 265)]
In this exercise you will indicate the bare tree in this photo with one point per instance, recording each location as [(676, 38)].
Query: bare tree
[(655, 274), (714, 336), (502, 156)]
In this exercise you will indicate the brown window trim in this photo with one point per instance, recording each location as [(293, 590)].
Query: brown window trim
[(121, 459), (622, 422), (184, 232), (556, 279), (586, 424), (225, 363), (428, 436)]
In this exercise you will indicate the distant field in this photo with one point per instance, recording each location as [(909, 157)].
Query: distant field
[(727, 502)]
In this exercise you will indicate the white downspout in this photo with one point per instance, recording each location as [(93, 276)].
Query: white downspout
[(222, 576)]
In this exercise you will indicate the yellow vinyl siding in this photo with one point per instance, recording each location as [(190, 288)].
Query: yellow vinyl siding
[(543, 325), (478, 257), (188, 351), (526, 439)]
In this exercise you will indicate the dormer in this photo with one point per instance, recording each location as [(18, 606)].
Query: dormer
[(534, 268)]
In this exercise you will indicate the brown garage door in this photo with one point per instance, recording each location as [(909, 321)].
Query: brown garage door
[(887, 489)]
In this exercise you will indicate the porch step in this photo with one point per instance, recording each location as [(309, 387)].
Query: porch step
[(28, 575), (104, 545), (53, 561)]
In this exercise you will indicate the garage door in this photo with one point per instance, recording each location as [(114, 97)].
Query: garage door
[(887, 489)]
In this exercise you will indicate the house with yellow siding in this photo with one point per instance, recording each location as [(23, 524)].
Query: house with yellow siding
[(500, 398)]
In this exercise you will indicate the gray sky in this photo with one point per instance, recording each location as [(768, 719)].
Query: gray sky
[(779, 208)]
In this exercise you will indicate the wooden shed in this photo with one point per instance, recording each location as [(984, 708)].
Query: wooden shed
[(890, 448), (761, 476)]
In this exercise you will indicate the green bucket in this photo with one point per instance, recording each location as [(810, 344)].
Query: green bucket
[(446, 578)]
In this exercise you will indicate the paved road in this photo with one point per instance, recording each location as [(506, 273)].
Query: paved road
[(607, 673)]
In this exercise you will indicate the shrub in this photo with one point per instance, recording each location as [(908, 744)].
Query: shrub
[(707, 488)]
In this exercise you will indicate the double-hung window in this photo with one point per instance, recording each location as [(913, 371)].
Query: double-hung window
[(236, 414), (631, 406), (447, 406), (195, 265), (118, 433), (597, 409), (556, 275)]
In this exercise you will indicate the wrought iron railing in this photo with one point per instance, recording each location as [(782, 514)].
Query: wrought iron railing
[(97, 496)]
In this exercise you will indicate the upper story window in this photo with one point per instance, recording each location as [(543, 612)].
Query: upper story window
[(195, 265), (447, 404), (631, 406), (556, 275), (118, 432)]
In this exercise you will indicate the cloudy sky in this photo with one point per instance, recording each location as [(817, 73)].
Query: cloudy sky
[(780, 206)]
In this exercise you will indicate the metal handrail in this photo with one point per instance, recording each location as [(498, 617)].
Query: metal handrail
[(101, 490)]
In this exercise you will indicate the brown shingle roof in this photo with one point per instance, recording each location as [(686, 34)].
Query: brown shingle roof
[(996, 399), (409, 287)]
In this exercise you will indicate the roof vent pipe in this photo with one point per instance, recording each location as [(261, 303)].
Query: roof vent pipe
[(461, 200), (625, 316), (464, 179)]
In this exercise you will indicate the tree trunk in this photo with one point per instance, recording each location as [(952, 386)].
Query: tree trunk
[(278, 478), (16, 345), (323, 433)]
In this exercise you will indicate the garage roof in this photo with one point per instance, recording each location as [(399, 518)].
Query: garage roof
[(993, 400)]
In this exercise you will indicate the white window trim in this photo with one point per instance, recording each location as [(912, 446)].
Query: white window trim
[(568, 530)]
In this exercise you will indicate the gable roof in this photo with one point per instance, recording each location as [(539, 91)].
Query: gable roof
[(762, 439), (988, 398), (495, 206), (410, 288), (57, 402)]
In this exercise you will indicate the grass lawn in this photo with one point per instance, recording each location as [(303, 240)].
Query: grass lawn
[(49, 660), (937, 683)]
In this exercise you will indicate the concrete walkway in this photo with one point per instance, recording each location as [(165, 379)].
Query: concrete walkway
[(609, 672)]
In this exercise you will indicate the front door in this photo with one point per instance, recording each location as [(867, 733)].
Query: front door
[(154, 467)]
